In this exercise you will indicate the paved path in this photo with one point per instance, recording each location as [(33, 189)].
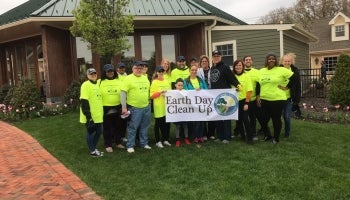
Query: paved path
[(28, 171)]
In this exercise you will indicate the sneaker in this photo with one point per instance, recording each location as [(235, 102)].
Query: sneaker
[(225, 141), (212, 137), (177, 143), (205, 138), (96, 154), (201, 140), (120, 146), (159, 145), (274, 141), (255, 138), (166, 143), (131, 150), (267, 139), (109, 149), (124, 139), (187, 141), (147, 147)]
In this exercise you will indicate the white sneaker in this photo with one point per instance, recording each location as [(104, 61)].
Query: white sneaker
[(159, 145), (225, 141), (131, 150), (147, 147), (109, 149), (166, 143), (212, 137)]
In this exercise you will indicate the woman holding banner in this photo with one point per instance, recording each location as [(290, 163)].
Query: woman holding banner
[(193, 82)]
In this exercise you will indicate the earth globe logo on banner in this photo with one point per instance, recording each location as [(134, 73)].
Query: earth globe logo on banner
[(226, 104)]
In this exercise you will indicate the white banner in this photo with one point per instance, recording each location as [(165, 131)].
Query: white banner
[(202, 105)]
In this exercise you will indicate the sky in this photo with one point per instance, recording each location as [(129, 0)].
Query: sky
[(246, 10)]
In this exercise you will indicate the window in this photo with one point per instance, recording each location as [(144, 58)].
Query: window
[(331, 62), (339, 31), (228, 51)]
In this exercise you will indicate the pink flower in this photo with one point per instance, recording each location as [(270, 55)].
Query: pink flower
[(10, 108), (337, 106), (325, 109), (347, 107)]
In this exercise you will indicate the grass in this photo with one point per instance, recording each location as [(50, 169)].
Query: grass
[(312, 164)]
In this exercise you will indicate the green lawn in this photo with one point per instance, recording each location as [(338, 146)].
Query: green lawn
[(313, 164)]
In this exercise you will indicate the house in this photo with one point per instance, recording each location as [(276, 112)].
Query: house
[(333, 40), (35, 41)]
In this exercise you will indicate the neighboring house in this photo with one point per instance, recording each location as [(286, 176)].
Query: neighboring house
[(333, 40), (258, 40), (35, 41)]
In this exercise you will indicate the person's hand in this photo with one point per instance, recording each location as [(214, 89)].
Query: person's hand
[(282, 87), (239, 87), (258, 101), (90, 126), (245, 107)]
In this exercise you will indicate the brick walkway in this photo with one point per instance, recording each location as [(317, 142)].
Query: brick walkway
[(28, 171)]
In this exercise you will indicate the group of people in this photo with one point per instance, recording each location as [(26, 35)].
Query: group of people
[(117, 105)]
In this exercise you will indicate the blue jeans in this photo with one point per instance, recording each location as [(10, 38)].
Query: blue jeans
[(93, 137), (287, 113), (140, 118)]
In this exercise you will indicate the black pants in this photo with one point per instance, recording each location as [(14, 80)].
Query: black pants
[(254, 114), (243, 122), (272, 110), (164, 128), (112, 123)]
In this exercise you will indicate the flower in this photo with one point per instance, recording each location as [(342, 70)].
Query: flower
[(325, 109), (337, 106), (312, 106)]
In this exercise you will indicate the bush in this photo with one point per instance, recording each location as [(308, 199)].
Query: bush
[(21, 102), (3, 92), (71, 96), (339, 91)]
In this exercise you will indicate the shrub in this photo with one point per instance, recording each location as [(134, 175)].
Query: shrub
[(24, 100), (3, 92), (339, 91), (72, 94)]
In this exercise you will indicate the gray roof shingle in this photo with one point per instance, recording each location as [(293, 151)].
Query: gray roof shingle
[(322, 30), (63, 8)]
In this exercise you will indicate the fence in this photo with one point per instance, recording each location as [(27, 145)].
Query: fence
[(313, 84)]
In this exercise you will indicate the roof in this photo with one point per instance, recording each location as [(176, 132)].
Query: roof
[(323, 31), (63, 8), (22, 11)]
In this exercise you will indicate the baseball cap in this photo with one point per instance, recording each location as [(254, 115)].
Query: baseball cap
[(159, 69), (181, 58), (121, 64), (139, 63), (90, 71), (108, 67), (193, 59), (216, 52)]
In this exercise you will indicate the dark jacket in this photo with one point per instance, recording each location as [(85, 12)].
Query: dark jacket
[(221, 77), (295, 85)]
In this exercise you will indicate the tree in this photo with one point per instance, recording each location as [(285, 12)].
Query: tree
[(103, 24), (284, 15), (339, 92), (304, 12)]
